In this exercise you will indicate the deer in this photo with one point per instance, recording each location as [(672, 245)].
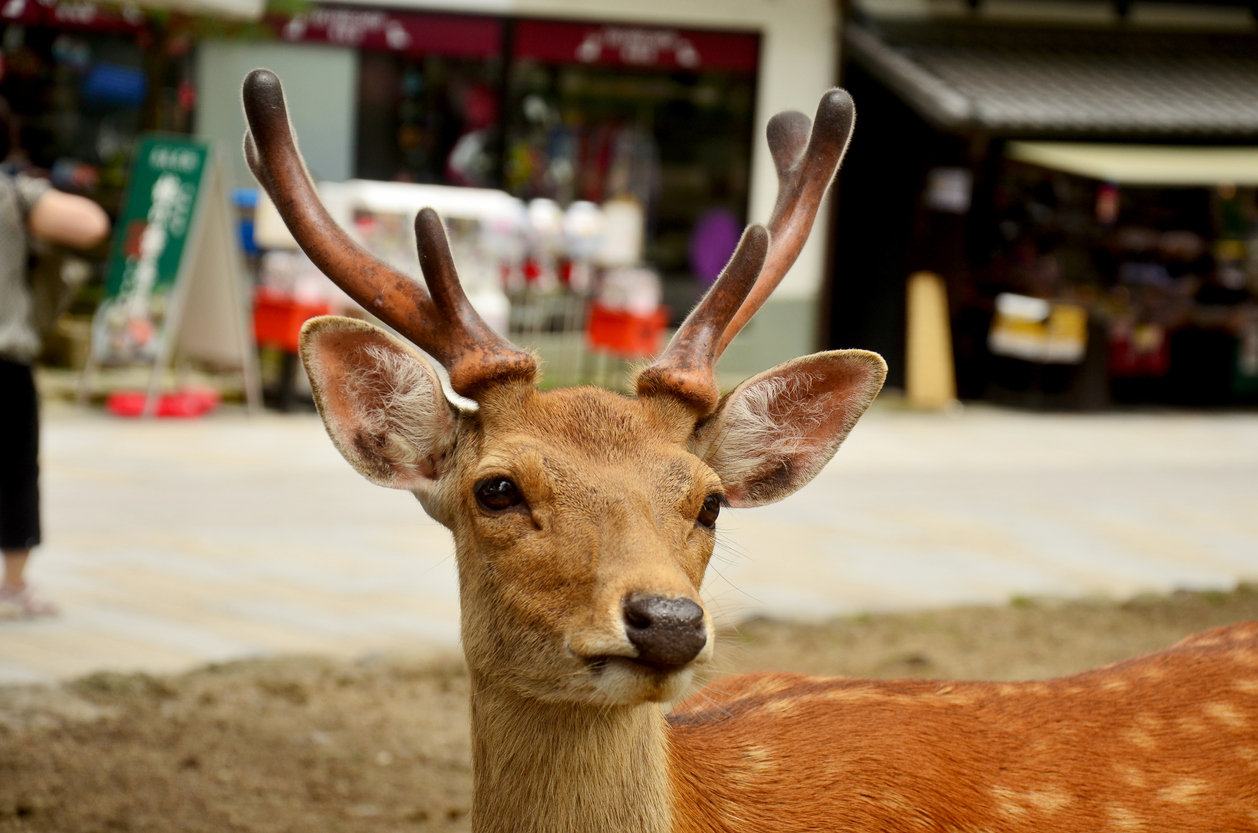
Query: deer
[(583, 520)]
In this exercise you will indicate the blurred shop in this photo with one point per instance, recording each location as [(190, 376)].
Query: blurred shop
[(1086, 189), (602, 169), (625, 141), (84, 80)]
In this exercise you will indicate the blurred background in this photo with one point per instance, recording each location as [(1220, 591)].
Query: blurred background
[(1047, 223), (1098, 157)]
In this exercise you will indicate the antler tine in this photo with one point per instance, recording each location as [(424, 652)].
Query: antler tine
[(686, 368), (444, 325), (806, 157), (806, 165), (477, 357)]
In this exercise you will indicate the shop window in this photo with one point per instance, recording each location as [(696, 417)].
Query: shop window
[(429, 119), (678, 143), (78, 97), (1168, 277)]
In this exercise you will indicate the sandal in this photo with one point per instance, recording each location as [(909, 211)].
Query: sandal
[(24, 603)]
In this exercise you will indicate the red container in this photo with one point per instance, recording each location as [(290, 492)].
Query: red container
[(628, 336), (277, 318), (190, 402)]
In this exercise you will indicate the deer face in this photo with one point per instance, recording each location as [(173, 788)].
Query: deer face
[(583, 527), (583, 520)]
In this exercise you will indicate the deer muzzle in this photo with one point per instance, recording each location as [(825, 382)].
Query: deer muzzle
[(667, 633)]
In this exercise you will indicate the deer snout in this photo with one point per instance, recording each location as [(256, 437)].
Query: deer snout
[(667, 632)]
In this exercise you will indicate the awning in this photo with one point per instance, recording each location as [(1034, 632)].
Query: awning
[(393, 30), (1032, 82), (242, 9), (636, 46), (121, 18), (1148, 165)]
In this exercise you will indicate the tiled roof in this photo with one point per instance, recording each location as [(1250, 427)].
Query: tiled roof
[(1068, 83)]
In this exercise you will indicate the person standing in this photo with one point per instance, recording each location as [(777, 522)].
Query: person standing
[(30, 210)]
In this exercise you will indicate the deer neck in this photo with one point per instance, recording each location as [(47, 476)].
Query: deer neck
[(558, 767)]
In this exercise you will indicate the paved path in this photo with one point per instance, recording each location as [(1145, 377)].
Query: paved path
[(172, 543)]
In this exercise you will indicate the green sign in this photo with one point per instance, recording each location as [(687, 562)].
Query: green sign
[(149, 247)]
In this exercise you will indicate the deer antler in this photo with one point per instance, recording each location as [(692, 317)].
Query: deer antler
[(685, 369), (444, 324), (806, 156)]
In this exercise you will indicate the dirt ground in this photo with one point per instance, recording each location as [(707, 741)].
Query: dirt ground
[(381, 744)]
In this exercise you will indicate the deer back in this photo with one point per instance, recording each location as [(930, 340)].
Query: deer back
[(1167, 741)]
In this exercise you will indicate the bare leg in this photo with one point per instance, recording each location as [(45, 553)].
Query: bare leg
[(15, 568), (17, 599)]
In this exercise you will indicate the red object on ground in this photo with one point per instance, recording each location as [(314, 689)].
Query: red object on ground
[(628, 336), (190, 402), (277, 318)]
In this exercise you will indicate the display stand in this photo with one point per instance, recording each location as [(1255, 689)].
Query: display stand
[(174, 251)]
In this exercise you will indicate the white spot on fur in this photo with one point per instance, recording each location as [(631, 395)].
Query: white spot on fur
[(1133, 776), (1227, 714), (759, 758), (1022, 802), (1184, 792), (1123, 818), (781, 708)]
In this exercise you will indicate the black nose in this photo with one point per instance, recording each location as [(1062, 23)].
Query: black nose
[(666, 632)]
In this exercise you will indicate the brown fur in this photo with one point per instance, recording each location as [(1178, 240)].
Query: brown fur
[(570, 734), (568, 729), (1164, 742)]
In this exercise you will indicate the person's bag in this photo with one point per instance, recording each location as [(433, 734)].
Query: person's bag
[(56, 276)]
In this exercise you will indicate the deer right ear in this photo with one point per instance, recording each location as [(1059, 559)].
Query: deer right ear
[(381, 402), (774, 432)]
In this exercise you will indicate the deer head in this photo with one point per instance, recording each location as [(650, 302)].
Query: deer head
[(583, 519)]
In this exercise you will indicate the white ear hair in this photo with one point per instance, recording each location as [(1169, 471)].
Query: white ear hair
[(381, 403), (773, 433)]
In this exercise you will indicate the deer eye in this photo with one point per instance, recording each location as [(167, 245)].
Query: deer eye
[(497, 494), (711, 508)]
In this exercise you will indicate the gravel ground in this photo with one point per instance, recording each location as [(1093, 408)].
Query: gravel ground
[(381, 743)]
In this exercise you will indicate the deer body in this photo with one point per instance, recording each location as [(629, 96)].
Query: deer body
[(583, 522), (1163, 742)]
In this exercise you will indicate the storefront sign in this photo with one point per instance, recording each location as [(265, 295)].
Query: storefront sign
[(20, 11), (148, 249), (175, 251), (73, 15), (636, 46), (394, 31)]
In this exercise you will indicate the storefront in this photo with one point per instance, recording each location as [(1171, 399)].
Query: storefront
[(83, 80), (662, 104), (659, 102), (1104, 173), (567, 111)]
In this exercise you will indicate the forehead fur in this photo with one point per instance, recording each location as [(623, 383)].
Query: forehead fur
[(585, 420)]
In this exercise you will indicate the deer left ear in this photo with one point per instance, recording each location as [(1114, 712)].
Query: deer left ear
[(773, 433)]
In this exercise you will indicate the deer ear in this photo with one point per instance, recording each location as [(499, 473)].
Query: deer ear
[(773, 433), (380, 401)]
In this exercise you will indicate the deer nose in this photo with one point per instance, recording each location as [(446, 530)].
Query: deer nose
[(667, 632)]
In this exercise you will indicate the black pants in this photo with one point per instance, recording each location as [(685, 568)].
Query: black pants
[(19, 457)]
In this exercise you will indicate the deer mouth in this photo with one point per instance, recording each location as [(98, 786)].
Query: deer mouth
[(632, 681), (600, 664)]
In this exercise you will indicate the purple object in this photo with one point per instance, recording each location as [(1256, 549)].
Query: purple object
[(712, 242)]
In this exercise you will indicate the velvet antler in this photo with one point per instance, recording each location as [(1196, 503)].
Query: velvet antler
[(806, 155), (442, 323)]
